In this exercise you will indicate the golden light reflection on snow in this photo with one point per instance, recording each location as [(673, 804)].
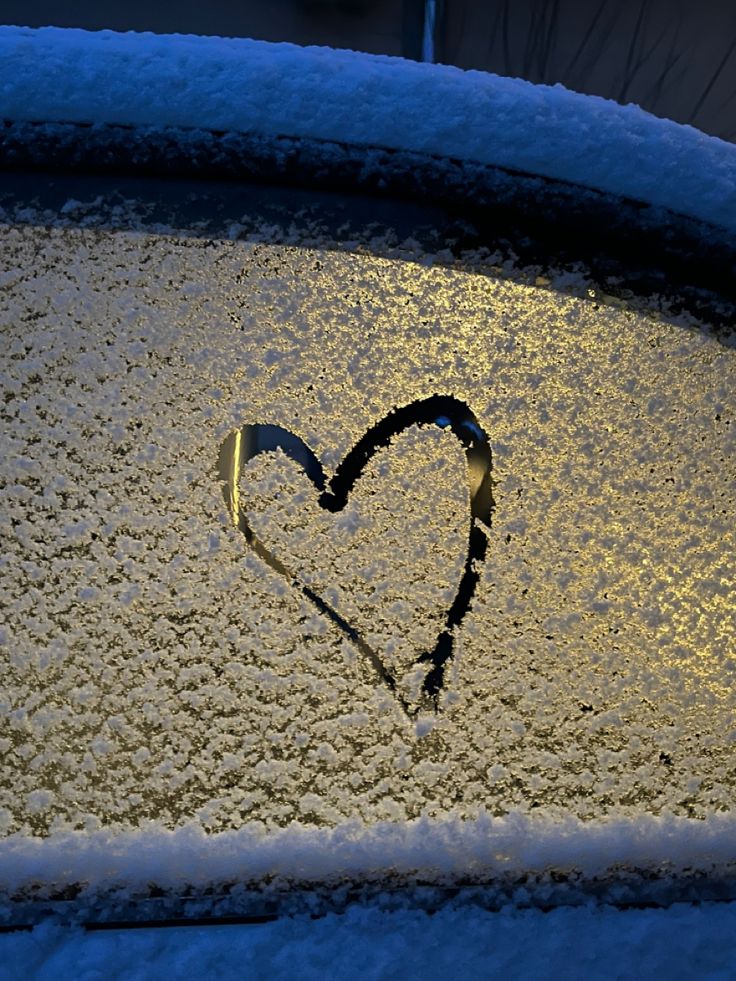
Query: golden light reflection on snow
[(154, 667)]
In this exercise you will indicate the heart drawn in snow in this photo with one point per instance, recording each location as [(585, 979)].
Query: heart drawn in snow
[(443, 411)]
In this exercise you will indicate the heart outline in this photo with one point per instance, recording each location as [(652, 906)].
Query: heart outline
[(445, 411)]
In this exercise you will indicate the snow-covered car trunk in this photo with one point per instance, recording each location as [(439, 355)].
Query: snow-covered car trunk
[(360, 540)]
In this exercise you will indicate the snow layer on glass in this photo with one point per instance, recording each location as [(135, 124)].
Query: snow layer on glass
[(156, 669)]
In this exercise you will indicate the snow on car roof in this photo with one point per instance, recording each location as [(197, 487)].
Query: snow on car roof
[(256, 87)]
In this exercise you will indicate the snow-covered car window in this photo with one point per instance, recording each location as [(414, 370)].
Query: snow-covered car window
[(158, 668), (362, 538)]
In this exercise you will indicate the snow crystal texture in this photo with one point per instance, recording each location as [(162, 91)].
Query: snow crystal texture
[(156, 668)]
